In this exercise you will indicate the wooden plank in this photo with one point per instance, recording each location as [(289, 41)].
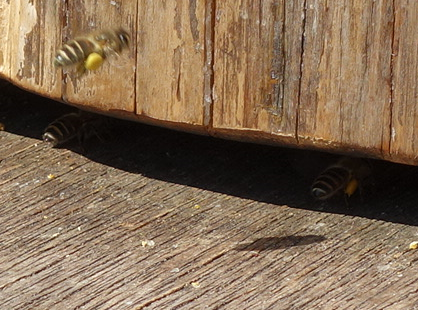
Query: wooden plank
[(404, 113), (5, 46), (332, 90), (256, 66), (26, 57), (112, 86), (171, 65), (231, 228), (333, 52), (346, 76)]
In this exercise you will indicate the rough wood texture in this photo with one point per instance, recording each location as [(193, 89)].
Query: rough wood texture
[(346, 75), (333, 76), (30, 36), (257, 71), (404, 116), (232, 224), (170, 75)]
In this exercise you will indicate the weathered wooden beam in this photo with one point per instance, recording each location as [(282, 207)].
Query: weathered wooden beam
[(331, 76)]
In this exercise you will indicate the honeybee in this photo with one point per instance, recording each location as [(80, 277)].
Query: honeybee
[(80, 126), (89, 52), (344, 176)]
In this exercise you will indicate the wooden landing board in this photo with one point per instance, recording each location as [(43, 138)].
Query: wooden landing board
[(168, 220)]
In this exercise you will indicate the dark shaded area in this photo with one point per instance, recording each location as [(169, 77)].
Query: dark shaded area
[(275, 243), (270, 174)]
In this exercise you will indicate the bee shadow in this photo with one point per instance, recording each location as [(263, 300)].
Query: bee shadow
[(275, 243)]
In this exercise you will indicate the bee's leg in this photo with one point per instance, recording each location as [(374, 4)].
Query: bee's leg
[(88, 130), (81, 138), (346, 199), (101, 136), (363, 190), (80, 69), (100, 127)]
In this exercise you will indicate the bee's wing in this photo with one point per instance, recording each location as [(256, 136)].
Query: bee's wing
[(116, 59)]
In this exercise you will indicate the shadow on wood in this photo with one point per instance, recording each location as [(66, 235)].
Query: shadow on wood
[(276, 243), (261, 173)]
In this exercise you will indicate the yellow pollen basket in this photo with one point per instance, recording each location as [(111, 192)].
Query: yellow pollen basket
[(93, 61), (351, 187)]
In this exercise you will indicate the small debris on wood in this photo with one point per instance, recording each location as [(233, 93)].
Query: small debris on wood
[(146, 243), (195, 284), (413, 245)]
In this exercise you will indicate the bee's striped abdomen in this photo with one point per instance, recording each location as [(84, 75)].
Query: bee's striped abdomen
[(63, 129), (330, 182), (74, 52)]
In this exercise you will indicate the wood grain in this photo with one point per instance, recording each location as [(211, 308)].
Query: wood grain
[(231, 224), (404, 114), (324, 77), (257, 88), (346, 78), (26, 55), (171, 61), (331, 76)]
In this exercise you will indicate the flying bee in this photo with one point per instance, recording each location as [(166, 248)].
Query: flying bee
[(344, 176), (89, 52), (81, 126)]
